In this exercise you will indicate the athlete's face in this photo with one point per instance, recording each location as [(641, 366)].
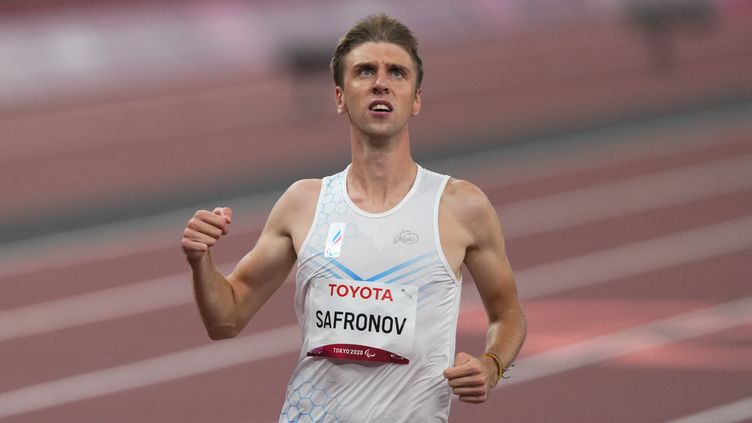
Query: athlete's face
[(379, 92)]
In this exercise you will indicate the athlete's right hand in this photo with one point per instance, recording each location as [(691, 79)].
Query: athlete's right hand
[(203, 230)]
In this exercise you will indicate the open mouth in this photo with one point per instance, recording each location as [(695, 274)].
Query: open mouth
[(380, 106)]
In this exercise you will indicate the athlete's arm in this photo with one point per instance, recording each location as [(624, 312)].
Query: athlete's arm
[(227, 303), (486, 259)]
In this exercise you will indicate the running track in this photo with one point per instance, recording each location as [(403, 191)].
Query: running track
[(632, 262)]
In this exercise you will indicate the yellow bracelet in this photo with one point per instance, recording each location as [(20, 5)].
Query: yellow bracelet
[(497, 361)]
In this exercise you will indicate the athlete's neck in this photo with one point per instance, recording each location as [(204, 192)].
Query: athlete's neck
[(381, 174)]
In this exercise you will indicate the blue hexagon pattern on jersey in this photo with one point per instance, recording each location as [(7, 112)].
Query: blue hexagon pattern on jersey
[(308, 403)]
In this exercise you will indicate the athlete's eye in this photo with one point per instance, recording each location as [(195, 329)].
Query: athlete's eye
[(397, 72), (365, 72)]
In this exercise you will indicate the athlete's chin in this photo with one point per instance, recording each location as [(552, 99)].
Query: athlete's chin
[(381, 137), (379, 133)]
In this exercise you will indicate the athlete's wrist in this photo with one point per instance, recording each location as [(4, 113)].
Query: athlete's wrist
[(495, 367)]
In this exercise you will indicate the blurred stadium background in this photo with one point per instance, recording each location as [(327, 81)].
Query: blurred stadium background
[(614, 136)]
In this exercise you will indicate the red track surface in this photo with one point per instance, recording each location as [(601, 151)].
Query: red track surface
[(595, 71), (665, 373), (639, 306)]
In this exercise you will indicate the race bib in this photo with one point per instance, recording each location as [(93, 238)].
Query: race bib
[(365, 321)]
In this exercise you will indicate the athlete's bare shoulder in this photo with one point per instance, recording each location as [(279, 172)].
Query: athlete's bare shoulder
[(294, 211), (466, 200), (469, 207), (298, 200), (304, 190)]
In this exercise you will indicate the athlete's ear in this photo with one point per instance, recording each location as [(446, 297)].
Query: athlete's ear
[(340, 100), (416, 103)]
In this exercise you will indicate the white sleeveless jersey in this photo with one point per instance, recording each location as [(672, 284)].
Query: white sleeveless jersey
[(375, 280)]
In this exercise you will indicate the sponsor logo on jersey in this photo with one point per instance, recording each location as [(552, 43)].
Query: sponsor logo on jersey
[(406, 237), (363, 292)]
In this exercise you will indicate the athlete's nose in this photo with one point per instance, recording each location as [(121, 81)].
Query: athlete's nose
[(379, 85)]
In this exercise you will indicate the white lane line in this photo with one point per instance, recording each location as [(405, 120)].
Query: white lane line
[(627, 196), (93, 307), (139, 235), (98, 306), (286, 340), (88, 118), (640, 338), (737, 411), (600, 148), (165, 368), (637, 258), (557, 211), (602, 266)]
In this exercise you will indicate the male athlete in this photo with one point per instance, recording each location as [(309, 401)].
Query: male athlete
[(378, 249)]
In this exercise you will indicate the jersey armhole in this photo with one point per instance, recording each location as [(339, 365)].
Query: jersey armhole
[(313, 221), (437, 236)]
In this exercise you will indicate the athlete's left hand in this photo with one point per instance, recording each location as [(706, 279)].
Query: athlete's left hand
[(471, 378)]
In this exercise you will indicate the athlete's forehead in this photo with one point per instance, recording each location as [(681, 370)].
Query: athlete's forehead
[(379, 53)]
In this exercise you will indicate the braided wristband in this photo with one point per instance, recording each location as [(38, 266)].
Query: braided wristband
[(497, 361)]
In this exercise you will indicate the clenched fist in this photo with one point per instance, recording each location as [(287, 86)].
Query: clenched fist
[(471, 378), (203, 230)]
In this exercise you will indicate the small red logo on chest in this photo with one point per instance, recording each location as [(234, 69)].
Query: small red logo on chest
[(363, 292)]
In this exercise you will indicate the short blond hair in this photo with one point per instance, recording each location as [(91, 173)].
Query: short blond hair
[(376, 28)]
